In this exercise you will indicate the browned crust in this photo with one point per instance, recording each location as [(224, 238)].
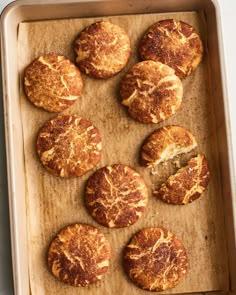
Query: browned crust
[(79, 255), (174, 43), (52, 82), (116, 196), (187, 184), (69, 146), (103, 49), (165, 143), (155, 259), (152, 92)]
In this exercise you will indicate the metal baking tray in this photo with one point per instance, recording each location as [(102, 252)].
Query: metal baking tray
[(32, 10)]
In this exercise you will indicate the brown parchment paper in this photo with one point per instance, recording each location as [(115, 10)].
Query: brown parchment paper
[(53, 203)]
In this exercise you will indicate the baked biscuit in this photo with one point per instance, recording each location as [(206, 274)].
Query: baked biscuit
[(174, 43), (52, 82), (69, 146), (79, 255), (155, 260), (152, 92), (103, 49), (187, 184), (166, 143), (116, 196)]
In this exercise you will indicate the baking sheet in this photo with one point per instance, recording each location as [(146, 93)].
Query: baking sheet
[(52, 203)]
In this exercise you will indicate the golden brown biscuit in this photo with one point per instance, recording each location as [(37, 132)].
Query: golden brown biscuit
[(103, 49), (79, 255), (166, 143), (152, 92), (155, 260), (69, 146), (174, 43), (116, 196), (52, 82), (187, 184)]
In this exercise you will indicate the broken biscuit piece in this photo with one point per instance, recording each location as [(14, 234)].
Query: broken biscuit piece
[(187, 184), (165, 144)]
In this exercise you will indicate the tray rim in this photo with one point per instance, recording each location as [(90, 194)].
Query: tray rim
[(9, 132)]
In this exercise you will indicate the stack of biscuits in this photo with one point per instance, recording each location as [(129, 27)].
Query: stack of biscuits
[(116, 195)]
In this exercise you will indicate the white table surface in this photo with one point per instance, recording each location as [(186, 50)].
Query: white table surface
[(228, 8)]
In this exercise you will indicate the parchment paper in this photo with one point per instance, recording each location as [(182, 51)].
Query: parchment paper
[(53, 203)]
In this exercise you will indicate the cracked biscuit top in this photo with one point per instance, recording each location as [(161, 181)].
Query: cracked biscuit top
[(151, 91), (52, 82), (116, 196), (155, 260), (79, 255), (69, 146), (103, 49), (166, 143), (187, 184), (174, 43)]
